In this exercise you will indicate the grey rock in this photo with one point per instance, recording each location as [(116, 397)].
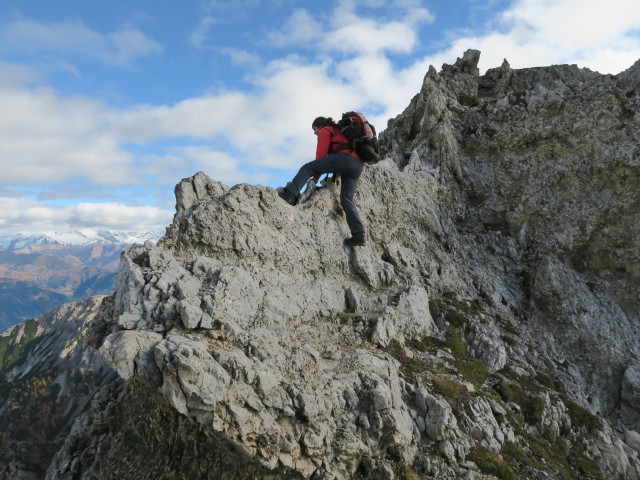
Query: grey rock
[(631, 386), (487, 345), (632, 438), (128, 354)]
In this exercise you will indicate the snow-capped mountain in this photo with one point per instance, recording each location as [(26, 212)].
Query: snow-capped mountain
[(18, 241), (40, 271)]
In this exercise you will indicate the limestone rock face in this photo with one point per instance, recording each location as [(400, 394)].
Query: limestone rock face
[(490, 324)]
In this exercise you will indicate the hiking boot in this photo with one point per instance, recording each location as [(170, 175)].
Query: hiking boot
[(356, 240), (288, 196)]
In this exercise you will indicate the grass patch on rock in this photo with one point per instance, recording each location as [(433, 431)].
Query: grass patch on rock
[(454, 310), (554, 455), (450, 389), (515, 453), (405, 472), (409, 366), (474, 370), (490, 463), (562, 457), (580, 416), (532, 405), (587, 467), (453, 341)]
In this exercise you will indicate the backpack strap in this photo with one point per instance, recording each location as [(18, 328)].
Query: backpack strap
[(336, 147)]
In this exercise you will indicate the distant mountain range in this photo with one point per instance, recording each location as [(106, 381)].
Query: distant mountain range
[(42, 270), (18, 241)]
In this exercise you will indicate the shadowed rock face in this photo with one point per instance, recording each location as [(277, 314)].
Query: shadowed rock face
[(494, 308), (48, 376)]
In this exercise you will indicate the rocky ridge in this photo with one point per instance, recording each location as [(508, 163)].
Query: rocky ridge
[(488, 328)]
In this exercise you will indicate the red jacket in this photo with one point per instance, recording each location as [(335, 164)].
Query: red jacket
[(330, 140)]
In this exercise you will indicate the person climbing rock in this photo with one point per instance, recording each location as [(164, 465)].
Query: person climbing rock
[(334, 154)]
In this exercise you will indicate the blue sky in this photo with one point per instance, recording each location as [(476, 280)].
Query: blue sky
[(107, 105)]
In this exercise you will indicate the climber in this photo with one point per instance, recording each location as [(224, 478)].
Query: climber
[(334, 154)]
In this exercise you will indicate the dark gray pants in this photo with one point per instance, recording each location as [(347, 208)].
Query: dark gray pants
[(350, 168)]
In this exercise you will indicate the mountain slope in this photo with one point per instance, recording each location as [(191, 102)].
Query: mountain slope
[(47, 378), (489, 327), (20, 300), (39, 272)]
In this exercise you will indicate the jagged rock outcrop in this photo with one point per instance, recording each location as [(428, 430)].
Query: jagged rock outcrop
[(48, 375), (490, 325)]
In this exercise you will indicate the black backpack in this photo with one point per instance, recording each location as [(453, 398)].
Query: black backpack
[(361, 134)]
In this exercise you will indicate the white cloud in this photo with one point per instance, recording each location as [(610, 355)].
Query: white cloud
[(125, 46), (349, 33), (575, 24), (48, 138), (269, 127), (23, 214), (300, 28), (600, 36), (370, 37), (199, 36), (117, 48), (242, 57), (15, 76), (219, 12), (197, 117), (219, 165)]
